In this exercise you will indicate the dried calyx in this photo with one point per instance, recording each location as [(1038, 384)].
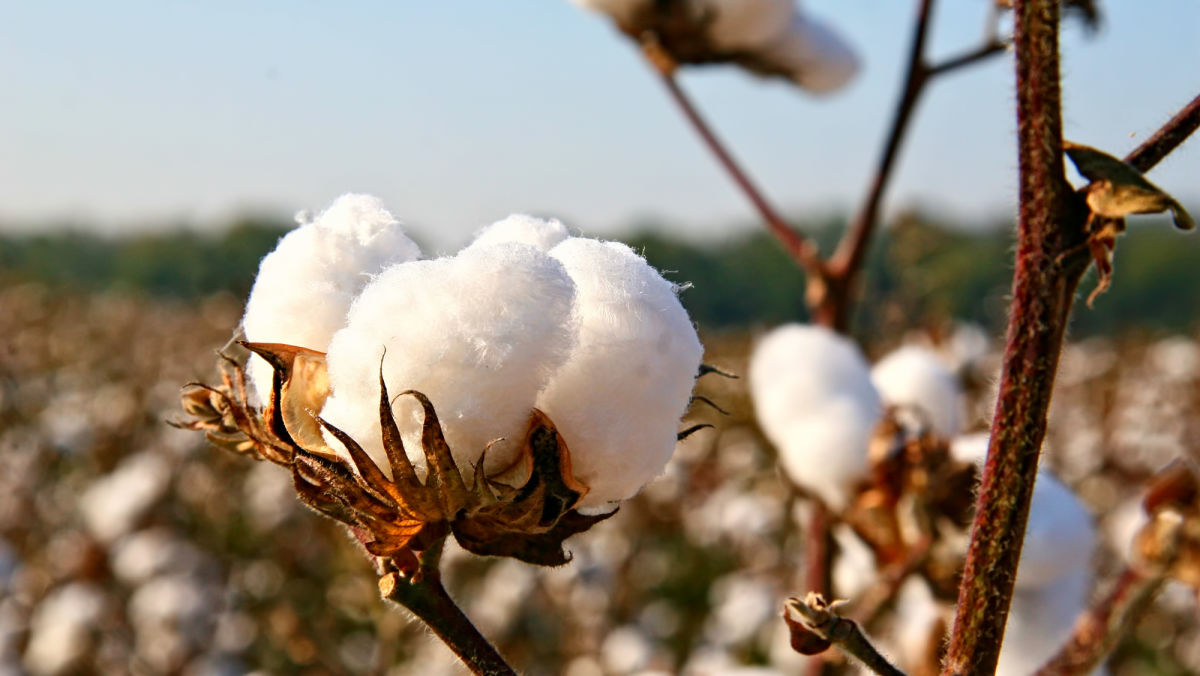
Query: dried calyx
[(525, 511)]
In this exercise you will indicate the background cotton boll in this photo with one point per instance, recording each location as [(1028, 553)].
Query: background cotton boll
[(826, 450), (814, 400), (621, 11), (818, 59), (523, 229), (618, 399), (747, 24), (1039, 621), (479, 334), (914, 377), (1059, 537), (305, 286)]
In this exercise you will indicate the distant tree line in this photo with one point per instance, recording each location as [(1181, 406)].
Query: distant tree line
[(919, 273)]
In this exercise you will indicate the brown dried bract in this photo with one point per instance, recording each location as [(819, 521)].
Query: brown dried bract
[(396, 517)]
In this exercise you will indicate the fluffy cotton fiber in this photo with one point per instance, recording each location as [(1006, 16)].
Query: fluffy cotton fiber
[(914, 377), (815, 56), (618, 398), (305, 286), (814, 400), (523, 229), (479, 334)]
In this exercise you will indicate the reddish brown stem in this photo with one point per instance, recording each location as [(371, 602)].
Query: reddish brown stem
[(1168, 138), (1043, 289), (798, 247), (818, 563)]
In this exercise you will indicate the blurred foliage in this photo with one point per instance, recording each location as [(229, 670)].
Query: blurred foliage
[(921, 271)]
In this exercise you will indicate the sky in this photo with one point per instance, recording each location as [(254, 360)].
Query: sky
[(132, 114)]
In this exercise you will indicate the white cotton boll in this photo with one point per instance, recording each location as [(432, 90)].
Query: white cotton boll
[(479, 334), (818, 59), (1059, 536), (747, 24), (618, 398), (916, 615), (914, 377), (523, 229), (621, 11), (855, 568), (305, 286), (1039, 621), (113, 504), (814, 400), (61, 626)]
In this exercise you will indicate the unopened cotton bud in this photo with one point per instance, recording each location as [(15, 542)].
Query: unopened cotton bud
[(479, 334), (618, 398), (815, 402), (1059, 535), (305, 286), (523, 229), (914, 377)]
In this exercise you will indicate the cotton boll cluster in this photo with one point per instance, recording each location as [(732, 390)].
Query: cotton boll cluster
[(815, 402), (525, 316), (305, 286), (914, 378)]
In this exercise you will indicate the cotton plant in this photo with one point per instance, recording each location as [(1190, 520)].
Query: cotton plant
[(773, 38), (515, 392)]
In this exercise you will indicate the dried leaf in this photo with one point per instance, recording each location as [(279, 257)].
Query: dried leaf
[(1176, 486), (1118, 189), (299, 386)]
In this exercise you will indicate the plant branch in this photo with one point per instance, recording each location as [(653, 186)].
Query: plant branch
[(833, 308), (1167, 138), (424, 596), (821, 618), (1050, 226), (1097, 631), (798, 247)]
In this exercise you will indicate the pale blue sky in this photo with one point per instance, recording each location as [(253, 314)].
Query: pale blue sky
[(126, 113)]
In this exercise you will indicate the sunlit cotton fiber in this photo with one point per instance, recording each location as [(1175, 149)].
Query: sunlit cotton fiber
[(618, 398), (814, 400), (479, 334), (815, 56), (523, 229), (913, 377), (305, 286)]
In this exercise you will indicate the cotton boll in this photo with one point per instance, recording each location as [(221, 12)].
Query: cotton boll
[(1059, 536), (305, 286), (814, 400), (479, 334), (818, 59), (113, 504), (618, 399), (523, 229), (1039, 621), (621, 11), (914, 377), (747, 24), (61, 627)]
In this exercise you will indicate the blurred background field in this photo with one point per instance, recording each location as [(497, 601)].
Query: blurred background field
[(128, 546)]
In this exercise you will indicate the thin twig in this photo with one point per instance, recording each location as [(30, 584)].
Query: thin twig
[(847, 261), (818, 562), (821, 618), (424, 596), (1167, 138), (1051, 218), (798, 247)]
